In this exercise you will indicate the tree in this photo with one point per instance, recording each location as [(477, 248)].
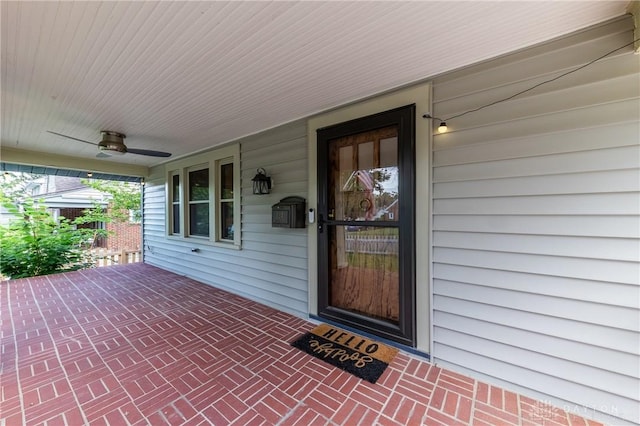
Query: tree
[(125, 198)]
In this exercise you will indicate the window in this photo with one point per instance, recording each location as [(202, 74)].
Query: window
[(175, 204), (203, 197), (225, 201), (135, 216), (199, 202)]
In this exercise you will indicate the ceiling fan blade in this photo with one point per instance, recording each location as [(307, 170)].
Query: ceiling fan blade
[(148, 152), (71, 137)]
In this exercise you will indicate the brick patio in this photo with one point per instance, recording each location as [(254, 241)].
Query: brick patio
[(136, 345)]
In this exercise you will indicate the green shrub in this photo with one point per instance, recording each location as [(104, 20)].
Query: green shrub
[(38, 244)]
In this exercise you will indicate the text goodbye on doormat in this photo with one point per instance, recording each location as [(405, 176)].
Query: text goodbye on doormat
[(358, 355)]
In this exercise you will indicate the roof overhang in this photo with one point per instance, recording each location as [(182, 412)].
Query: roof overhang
[(46, 163)]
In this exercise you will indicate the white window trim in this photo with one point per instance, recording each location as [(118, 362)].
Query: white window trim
[(213, 160)]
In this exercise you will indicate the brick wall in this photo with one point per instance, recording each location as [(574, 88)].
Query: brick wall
[(124, 236)]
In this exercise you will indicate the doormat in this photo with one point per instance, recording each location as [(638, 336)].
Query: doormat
[(355, 354)]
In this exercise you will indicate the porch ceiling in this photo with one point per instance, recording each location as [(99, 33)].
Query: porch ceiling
[(184, 76)]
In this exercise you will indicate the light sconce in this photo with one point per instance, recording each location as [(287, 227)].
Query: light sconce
[(89, 174), (442, 128), (261, 183)]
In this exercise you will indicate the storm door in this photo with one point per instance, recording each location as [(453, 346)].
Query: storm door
[(366, 224)]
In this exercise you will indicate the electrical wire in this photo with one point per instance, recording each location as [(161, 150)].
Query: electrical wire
[(540, 84)]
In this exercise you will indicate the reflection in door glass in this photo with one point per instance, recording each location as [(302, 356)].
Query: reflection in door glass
[(364, 177), (389, 152), (366, 158), (363, 264)]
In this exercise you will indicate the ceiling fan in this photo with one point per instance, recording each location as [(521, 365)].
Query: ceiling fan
[(112, 143)]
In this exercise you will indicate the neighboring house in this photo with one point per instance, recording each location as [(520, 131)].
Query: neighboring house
[(5, 216), (526, 222), (63, 196)]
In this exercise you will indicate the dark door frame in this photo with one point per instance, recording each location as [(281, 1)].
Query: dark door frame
[(405, 331)]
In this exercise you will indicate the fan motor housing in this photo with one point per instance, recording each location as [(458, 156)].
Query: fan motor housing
[(112, 142)]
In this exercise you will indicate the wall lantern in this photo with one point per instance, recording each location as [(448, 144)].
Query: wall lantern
[(261, 182)]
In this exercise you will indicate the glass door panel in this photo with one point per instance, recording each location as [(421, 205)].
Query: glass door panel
[(364, 256), (366, 253), (364, 271)]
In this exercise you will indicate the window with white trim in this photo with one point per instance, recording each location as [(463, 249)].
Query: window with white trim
[(225, 200), (175, 204), (198, 201), (203, 197)]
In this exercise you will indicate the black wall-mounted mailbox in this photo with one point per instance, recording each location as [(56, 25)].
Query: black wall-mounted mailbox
[(288, 213)]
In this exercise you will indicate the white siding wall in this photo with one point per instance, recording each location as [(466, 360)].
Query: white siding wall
[(536, 226), (271, 267)]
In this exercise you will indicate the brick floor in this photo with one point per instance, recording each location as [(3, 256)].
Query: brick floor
[(136, 345)]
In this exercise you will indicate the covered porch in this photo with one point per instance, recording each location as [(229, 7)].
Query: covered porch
[(135, 344)]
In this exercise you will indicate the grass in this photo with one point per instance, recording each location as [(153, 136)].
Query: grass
[(387, 262)]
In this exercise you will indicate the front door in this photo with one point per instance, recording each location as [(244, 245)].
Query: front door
[(366, 224)]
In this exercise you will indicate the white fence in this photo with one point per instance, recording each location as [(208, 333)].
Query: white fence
[(371, 244), (104, 257)]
